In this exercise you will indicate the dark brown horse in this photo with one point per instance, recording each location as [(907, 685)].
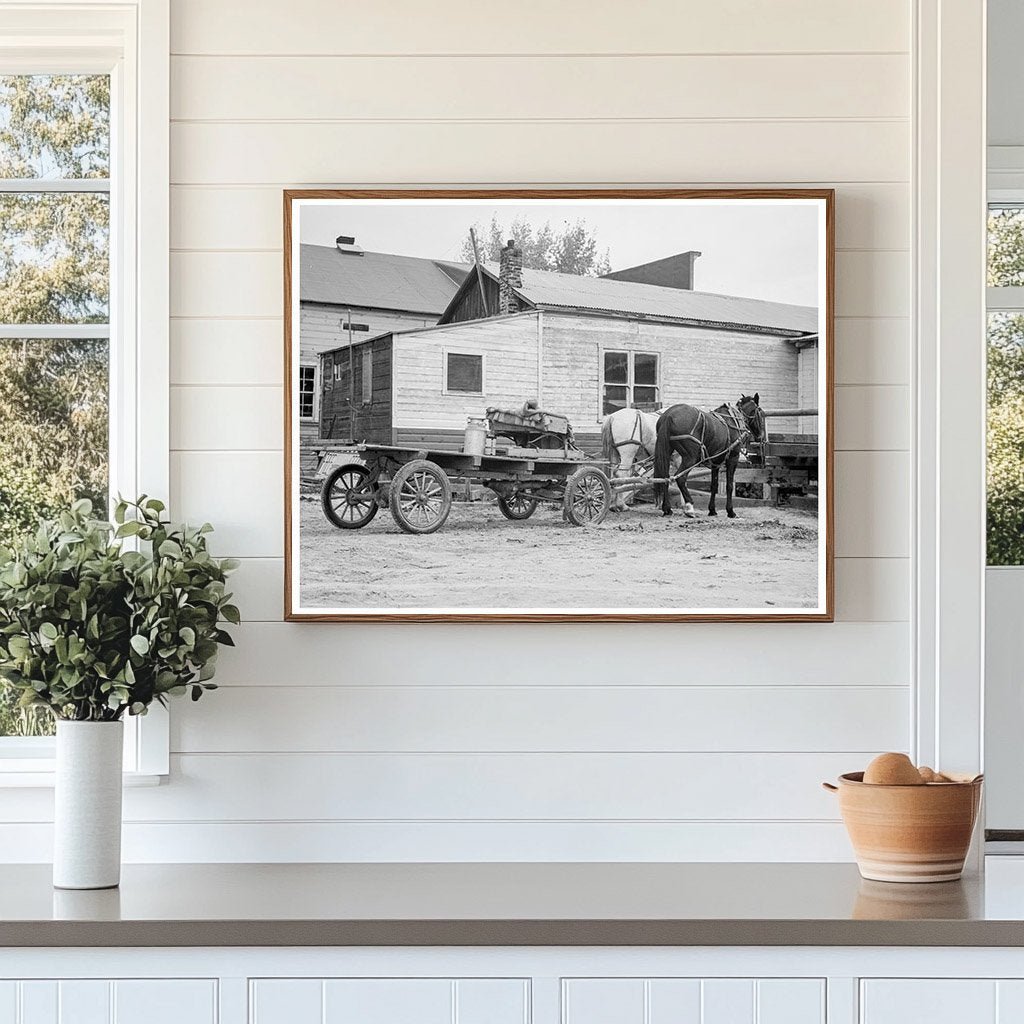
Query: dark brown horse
[(705, 438)]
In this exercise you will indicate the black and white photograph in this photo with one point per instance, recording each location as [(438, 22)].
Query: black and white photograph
[(569, 406)]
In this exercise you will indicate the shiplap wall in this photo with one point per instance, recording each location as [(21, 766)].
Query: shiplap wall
[(428, 742)]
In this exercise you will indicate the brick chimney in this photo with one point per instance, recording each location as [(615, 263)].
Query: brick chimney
[(510, 276)]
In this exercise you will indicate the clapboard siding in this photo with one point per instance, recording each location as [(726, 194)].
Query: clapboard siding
[(434, 742), (529, 87), (245, 351), (577, 26)]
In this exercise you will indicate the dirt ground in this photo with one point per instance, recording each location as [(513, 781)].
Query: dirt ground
[(636, 558)]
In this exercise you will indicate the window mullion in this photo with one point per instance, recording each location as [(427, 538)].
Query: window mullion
[(54, 185)]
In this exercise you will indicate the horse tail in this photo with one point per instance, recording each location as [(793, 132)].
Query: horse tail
[(608, 446), (663, 453)]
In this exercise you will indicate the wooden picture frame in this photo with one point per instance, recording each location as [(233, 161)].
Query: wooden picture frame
[(481, 277)]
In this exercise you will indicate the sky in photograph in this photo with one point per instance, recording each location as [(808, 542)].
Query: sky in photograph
[(766, 251)]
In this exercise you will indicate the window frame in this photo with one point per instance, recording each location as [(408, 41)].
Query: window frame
[(630, 385), (314, 403), (130, 41), (482, 356)]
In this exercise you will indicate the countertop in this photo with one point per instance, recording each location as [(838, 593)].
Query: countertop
[(558, 904)]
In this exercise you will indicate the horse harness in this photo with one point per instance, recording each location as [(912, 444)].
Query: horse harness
[(636, 436), (732, 423)]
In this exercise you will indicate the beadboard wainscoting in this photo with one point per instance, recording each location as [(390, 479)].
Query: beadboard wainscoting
[(546, 742)]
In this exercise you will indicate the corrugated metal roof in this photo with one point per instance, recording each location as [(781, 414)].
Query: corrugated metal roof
[(547, 289), (377, 280)]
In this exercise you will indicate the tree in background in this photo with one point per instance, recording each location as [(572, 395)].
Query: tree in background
[(571, 250), (53, 270), (1005, 478)]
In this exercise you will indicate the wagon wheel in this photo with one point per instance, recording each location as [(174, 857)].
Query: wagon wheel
[(588, 495), (348, 498), (519, 506), (421, 496)]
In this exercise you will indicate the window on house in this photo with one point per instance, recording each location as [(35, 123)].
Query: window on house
[(464, 373), (367, 377), (307, 392), (54, 308), (1005, 480), (631, 381)]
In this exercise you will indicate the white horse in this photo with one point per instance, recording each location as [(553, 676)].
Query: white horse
[(628, 437)]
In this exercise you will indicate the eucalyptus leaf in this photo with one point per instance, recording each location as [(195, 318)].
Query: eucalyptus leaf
[(93, 631)]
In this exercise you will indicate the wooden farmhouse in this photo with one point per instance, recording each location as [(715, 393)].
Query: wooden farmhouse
[(581, 346), (346, 292)]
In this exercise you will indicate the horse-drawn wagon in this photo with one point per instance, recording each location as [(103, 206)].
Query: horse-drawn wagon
[(527, 457)]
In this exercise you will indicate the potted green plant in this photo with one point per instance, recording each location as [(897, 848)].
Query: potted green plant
[(99, 620)]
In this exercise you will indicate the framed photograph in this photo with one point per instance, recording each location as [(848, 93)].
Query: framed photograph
[(566, 405)]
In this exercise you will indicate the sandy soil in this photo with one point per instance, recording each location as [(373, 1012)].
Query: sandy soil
[(637, 558)]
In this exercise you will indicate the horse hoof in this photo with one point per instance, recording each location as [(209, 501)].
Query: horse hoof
[(666, 511), (731, 514), (689, 513), (712, 512)]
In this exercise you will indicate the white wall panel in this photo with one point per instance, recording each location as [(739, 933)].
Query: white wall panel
[(538, 88), (212, 352), (459, 787), (578, 26), (872, 350), (279, 654), (872, 498), (414, 152), (869, 216), (461, 760), (607, 718), (872, 418), (214, 418)]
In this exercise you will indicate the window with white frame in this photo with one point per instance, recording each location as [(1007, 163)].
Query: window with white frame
[(1005, 476), (631, 381), (55, 284), (83, 262)]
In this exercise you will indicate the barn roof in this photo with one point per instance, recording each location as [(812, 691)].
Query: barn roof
[(545, 289), (377, 280)]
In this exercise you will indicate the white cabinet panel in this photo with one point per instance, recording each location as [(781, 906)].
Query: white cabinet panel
[(8, 1002), (603, 1001), (286, 1001), (727, 1001), (929, 1001), (101, 1001), (694, 1001), (388, 1001), (674, 1001), (84, 1002), (492, 1001), (39, 1003), (164, 1002), (790, 1001)]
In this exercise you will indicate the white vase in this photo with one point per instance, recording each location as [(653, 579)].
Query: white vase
[(87, 806)]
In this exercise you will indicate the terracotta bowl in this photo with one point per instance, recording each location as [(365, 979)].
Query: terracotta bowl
[(909, 833)]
